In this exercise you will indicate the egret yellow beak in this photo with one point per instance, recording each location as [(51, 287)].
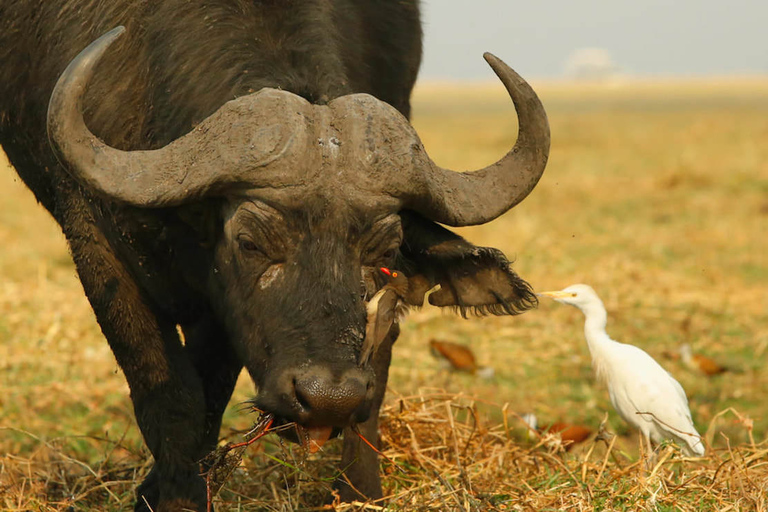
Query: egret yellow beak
[(556, 295)]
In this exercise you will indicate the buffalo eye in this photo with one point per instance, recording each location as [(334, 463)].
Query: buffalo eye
[(389, 254), (248, 246), (375, 258)]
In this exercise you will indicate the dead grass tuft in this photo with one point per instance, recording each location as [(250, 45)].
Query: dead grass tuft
[(51, 477), (476, 465), (441, 452)]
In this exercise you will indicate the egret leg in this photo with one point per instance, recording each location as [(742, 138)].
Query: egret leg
[(644, 445), (650, 459)]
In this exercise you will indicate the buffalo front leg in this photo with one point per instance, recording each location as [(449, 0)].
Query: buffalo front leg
[(361, 479), (167, 393), (218, 366)]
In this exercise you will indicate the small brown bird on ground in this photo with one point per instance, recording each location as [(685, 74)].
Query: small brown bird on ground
[(700, 362), (460, 357), (571, 435), (385, 307)]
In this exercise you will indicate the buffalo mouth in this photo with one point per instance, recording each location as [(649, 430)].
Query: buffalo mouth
[(310, 437)]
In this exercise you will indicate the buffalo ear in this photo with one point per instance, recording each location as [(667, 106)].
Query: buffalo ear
[(473, 279)]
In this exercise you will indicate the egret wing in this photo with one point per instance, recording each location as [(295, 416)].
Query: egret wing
[(651, 389)]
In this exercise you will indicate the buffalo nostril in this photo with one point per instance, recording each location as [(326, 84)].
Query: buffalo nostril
[(301, 395), (328, 400)]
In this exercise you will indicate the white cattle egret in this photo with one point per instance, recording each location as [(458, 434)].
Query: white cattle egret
[(642, 392)]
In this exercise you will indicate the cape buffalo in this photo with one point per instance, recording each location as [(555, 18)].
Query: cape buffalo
[(239, 169)]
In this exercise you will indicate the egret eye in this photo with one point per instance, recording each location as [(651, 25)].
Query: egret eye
[(394, 274)]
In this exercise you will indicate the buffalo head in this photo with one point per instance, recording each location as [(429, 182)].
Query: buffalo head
[(314, 199)]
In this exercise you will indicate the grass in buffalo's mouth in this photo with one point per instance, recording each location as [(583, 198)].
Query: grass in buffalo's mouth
[(656, 195)]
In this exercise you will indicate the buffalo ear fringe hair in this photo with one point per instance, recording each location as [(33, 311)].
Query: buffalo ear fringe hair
[(513, 294), (525, 297)]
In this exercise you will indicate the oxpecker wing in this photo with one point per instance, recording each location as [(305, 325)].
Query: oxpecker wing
[(382, 311)]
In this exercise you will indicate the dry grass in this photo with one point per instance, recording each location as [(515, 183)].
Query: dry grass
[(440, 454), (656, 194)]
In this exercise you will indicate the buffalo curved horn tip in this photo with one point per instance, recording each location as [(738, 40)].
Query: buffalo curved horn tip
[(477, 197), (67, 97)]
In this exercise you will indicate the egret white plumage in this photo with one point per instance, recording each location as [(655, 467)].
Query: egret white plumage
[(643, 393)]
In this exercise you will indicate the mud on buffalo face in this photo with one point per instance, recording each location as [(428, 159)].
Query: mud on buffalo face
[(292, 283), (315, 197)]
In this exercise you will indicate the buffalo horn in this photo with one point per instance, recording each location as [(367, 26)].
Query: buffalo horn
[(469, 198), (193, 165)]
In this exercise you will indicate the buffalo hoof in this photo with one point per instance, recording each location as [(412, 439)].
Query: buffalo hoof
[(367, 488), (148, 493), (176, 495)]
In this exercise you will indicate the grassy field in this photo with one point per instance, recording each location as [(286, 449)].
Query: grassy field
[(656, 194)]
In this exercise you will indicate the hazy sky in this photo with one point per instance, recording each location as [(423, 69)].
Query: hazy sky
[(644, 37)]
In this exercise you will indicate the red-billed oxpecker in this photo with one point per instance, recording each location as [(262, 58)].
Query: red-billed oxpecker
[(385, 307)]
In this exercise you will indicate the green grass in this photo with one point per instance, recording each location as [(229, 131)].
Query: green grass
[(656, 195)]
